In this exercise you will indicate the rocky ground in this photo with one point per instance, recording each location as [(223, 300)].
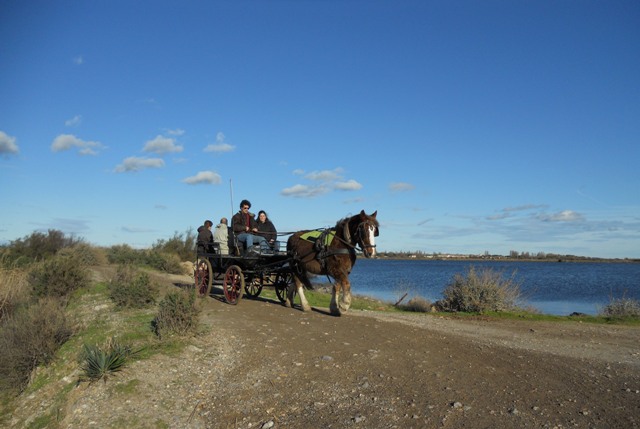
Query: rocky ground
[(261, 365)]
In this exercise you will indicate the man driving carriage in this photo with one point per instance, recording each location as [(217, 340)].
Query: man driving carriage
[(244, 226)]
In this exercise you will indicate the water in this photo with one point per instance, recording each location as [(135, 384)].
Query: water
[(550, 287)]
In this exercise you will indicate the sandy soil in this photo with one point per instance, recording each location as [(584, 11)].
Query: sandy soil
[(261, 365)]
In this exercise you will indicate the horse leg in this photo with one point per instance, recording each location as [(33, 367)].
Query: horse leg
[(291, 288), (345, 301), (335, 292), (341, 296), (303, 299), (299, 281)]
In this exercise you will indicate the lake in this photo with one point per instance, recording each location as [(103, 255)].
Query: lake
[(550, 287)]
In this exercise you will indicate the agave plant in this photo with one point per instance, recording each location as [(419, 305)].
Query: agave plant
[(98, 363)]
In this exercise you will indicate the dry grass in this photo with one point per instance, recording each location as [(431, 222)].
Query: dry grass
[(14, 291), (30, 338)]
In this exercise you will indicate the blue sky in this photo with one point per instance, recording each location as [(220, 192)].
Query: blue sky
[(470, 126)]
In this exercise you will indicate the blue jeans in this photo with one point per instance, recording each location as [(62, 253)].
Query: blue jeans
[(248, 240)]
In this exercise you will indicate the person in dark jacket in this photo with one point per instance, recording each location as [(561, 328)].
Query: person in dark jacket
[(245, 227), (268, 230), (205, 237)]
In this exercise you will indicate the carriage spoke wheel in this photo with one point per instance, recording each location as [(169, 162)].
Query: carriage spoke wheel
[(282, 282), (254, 287), (233, 284), (203, 277)]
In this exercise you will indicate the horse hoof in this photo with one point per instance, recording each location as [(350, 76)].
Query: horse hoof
[(336, 313), (287, 304), (307, 308)]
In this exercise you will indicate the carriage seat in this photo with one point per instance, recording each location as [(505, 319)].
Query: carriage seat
[(203, 247)]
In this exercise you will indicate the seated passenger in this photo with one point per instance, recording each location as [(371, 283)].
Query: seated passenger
[(245, 227), (221, 236), (268, 230), (205, 238)]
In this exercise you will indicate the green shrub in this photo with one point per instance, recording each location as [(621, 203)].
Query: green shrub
[(167, 262), (480, 291), (98, 363), (178, 314), (30, 338), (36, 247), (622, 308), (154, 258), (181, 245), (125, 254), (58, 276), (85, 254), (130, 288)]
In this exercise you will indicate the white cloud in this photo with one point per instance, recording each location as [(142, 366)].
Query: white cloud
[(349, 185), (73, 122), (303, 191), (161, 145), (220, 146), (78, 60), (324, 181), (563, 216), (325, 175), (69, 141), (8, 144), (204, 177), (401, 187), (133, 164), (509, 212), (176, 132)]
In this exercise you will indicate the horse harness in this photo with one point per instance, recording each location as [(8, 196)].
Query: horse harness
[(323, 240)]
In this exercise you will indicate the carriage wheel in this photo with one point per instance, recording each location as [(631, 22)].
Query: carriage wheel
[(233, 284), (282, 282), (203, 276), (254, 287)]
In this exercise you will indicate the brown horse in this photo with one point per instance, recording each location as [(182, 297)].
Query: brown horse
[(331, 252)]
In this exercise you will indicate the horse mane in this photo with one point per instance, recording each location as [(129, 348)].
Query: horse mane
[(340, 223)]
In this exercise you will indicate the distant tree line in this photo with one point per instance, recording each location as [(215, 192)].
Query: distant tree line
[(513, 255)]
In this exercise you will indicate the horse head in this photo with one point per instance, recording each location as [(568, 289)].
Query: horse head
[(366, 233)]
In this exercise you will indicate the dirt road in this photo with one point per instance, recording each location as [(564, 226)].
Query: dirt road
[(261, 365), (376, 370)]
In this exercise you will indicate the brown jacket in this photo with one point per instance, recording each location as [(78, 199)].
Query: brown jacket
[(239, 221)]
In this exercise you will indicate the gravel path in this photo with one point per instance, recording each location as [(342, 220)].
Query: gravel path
[(261, 365)]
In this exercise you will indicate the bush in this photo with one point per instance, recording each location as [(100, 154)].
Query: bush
[(58, 277), (480, 291), (622, 308), (85, 254), (36, 247), (169, 263), (14, 291), (98, 363), (131, 289), (417, 304), (160, 260), (124, 254), (30, 338), (178, 314), (181, 245)]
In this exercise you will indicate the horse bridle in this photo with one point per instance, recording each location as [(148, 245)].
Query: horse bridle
[(362, 229)]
